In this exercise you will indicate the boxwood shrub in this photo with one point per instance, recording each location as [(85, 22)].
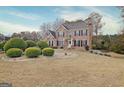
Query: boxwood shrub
[(48, 51), (14, 52), (42, 44), (15, 43), (30, 43), (32, 52)]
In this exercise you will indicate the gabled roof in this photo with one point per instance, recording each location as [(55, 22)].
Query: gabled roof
[(52, 32), (74, 25)]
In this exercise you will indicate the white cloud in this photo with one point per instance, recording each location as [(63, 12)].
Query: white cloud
[(24, 15), (111, 26), (71, 16), (9, 28), (20, 14)]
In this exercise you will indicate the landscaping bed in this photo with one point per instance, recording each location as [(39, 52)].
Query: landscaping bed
[(59, 54)]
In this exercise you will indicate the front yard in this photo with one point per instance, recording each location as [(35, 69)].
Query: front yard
[(78, 68)]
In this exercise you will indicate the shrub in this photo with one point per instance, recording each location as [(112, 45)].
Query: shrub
[(2, 45), (15, 43), (86, 47), (14, 52), (42, 44), (30, 43), (118, 48), (32, 52), (48, 51)]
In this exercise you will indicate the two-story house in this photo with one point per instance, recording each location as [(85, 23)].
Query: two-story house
[(77, 33)]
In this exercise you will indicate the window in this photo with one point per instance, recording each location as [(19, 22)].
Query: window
[(82, 32), (78, 42), (49, 43), (79, 32), (85, 42), (86, 32)]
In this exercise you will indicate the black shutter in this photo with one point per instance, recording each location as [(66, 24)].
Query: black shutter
[(79, 32), (75, 33)]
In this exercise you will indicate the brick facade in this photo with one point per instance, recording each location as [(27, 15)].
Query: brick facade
[(77, 34)]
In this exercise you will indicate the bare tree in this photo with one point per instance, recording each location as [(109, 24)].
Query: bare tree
[(57, 23), (122, 16), (39, 35), (44, 28), (122, 12), (96, 21)]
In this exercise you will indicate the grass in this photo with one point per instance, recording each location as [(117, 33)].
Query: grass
[(83, 70)]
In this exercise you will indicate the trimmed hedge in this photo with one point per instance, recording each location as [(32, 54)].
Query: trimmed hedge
[(30, 43), (15, 43), (14, 52), (48, 51), (42, 44), (32, 52)]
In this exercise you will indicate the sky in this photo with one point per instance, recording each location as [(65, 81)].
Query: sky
[(22, 18)]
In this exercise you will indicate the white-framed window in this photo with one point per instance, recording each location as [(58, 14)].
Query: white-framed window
[(84, 42), (81, 32), (85, 32), (77, 33)]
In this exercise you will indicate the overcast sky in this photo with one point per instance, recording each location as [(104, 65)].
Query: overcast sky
[(17, 19)]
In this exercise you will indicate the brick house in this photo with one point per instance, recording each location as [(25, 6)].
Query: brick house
[(77, 34)]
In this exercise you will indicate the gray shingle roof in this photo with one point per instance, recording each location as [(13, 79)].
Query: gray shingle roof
[(74, 25), (53, 33)]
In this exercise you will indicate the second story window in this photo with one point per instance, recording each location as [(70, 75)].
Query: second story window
[(86, 32), (77, 33), (63, 34), (81, 32)]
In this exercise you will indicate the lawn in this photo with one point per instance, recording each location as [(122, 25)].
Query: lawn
[(81, 69)]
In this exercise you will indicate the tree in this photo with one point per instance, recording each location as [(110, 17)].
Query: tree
[(57, 23), (96, 21), (44, 28), (2, 37), (122, 16), (122, 12), (50, 26)]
